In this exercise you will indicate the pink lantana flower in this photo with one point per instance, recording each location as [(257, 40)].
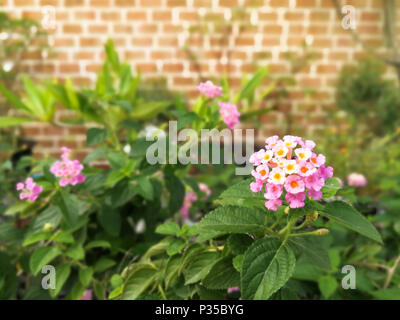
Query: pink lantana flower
[(306, 169), (209, 89), (294, 184), (69, 171), (325, 172), (314, 182), (229, 113), (295, 200), (317, 160), (356, 180), (29, 190), (256, 186), (313, 194), (273, 204), (273, 191)]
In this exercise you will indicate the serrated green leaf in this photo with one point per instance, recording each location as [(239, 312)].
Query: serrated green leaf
[(234, 220), (41, 257), (345, 215), (240, 195), (200, 267), (138, 282), (222, 275), (95, 136), (238, 243), (267, 266)]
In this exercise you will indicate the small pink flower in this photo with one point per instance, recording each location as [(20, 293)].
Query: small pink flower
[(233, 289), (314, 182), (29, 190), (356, 180), (273, 204), (204, 188), (313, 194), (69, 171), (294, 184), (273, 191), (325, 172), (229, 113), (295, 200), (306, 169), (209, 89), (317, 160), (87, 295), (256, 186), (271, 142), (261, 172), (190, 197)]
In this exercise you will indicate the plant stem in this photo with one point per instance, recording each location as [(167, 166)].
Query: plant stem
[(390, 273)]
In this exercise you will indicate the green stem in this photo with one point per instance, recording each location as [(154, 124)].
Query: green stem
[(161, 290)]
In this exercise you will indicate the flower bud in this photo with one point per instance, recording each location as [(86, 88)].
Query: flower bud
[(287, 210), (312, 216), (47, 227), (322, 232)]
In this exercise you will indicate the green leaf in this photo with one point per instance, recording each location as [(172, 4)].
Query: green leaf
[(176, 191), (144, 187), (238, 243), (330, 188), (6, 122), (149, 110), (200, 267), (8, 277), (234, 220), (251, 85), (76, 252), (86, 275), (103, 264), (311, 251), (138, 282), (41, 257), (240, 195), (175, 246), (267, 266), (222, 275), (345, 215), (238, 262), (327, 285), (386, 294), (62, 273), (110, 220), (36, 237), (168, 228), (14, 100), (97, 244), (95, 136)]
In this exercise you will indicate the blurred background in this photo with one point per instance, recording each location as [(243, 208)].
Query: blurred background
[(332, 69)]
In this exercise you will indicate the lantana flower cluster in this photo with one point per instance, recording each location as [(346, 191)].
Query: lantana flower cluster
[(228, 111), (29, 190), (69, 171), (289, 168)]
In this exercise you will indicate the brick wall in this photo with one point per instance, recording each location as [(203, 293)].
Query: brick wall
[(151, 34)]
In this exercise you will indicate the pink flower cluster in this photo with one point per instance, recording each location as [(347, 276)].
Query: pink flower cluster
[(191, 197), (29, 190), (209, 89), (68, 170), (356, 180), (229, 113), (289, 167)]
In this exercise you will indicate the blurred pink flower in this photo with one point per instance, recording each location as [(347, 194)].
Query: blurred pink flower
[(356, 180), (229, 113), (68, 170), (87, 295), (209, 89), (29, 190)]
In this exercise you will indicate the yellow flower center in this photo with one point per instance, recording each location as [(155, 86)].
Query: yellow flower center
[(263, 172), (290, 167), (280, 152), (302, 155), (277, 176), (304, 169)]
